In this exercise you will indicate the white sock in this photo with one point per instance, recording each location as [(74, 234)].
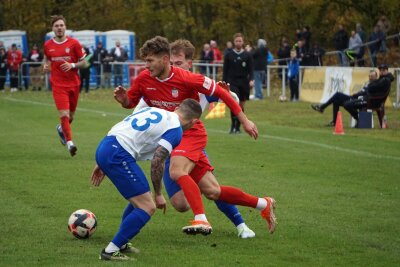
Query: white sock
[(240, 226), (200, 217), (261, 204), (111, 248), (69, 144)]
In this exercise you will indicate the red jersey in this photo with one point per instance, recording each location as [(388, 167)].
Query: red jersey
[(14, 59), (71, 51), (170, 92)]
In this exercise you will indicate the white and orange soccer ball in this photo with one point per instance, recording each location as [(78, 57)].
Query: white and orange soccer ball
[(82, 223)]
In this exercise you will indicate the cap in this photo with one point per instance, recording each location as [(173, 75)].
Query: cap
[(383, 67)]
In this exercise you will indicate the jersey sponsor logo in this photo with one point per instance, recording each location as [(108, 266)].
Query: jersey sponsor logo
[(67, 58), (52, 50), (207, 83), (175, 92), (164, 104), (180, 151), (151, 88)]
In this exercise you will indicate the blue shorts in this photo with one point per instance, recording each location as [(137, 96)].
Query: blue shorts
[(197, 173), (121, 168)]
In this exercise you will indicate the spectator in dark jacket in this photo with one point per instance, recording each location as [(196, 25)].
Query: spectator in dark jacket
[(3, 67), (283, 53), (316, 54), (376, 36), (341, 41), (99, 56), (260, 55)]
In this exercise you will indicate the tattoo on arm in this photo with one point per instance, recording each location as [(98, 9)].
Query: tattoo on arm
[(157, 167)]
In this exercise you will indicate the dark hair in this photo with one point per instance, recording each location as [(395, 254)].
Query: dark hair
[(190, 109), (182, 45), (57, 18), (156, 46)]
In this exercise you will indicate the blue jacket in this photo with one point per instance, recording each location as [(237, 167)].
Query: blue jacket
[(293, 68)]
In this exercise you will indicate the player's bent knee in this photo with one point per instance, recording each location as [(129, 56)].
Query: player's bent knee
[(175, 173), (179, 205), (212, 194)]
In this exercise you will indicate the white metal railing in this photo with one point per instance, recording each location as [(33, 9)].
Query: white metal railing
[(213, 70)]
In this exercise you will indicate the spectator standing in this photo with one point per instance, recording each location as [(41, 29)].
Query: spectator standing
[(301, 52), (14, 60), (341, 42), (316, 54), (216, 52), (306, 35), (99, 56), (384, 25), (293, 75), (376, 36), (84, 73), (363, 37), (107, 71), (260, 55), (3, 67), (206, 56), (238, 72), (119, 54), (35, 71), (354, 48), (283, 55), (228, 47), (298, 34)]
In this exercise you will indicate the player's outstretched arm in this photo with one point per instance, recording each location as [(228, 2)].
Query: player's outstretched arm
[(248, 125), (121, 96), (157, 170), (97, 176)]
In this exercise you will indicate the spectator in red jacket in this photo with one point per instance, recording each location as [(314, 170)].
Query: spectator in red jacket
[(216, 51), (14, 59)]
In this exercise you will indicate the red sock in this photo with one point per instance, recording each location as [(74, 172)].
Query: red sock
[(66, 128), (236, 196), (192, 194)]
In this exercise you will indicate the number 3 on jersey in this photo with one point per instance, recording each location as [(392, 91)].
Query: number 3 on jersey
[(141, 122)]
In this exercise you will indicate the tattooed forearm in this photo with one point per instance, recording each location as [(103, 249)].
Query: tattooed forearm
[(157, 168)]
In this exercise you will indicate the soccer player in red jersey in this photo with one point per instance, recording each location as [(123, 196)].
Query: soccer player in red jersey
[(63, 56), (164, 86)]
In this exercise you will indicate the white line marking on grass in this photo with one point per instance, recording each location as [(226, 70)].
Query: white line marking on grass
[(266, 136), (329, 147)]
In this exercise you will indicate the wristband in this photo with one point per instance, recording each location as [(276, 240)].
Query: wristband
[(73, 65)]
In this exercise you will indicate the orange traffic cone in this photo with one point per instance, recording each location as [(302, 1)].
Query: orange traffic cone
[(339, 124)]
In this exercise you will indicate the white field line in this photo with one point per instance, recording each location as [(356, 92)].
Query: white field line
[(264, 136)]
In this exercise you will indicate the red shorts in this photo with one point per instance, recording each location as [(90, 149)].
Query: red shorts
[(192, 146), (66, 98)]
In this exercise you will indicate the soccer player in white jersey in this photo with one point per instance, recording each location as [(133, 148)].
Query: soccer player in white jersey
[(150, 133)]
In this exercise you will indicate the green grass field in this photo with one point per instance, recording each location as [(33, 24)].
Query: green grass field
[(338, 196)]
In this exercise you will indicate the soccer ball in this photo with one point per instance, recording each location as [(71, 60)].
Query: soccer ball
[(82, 223), (282, 98)]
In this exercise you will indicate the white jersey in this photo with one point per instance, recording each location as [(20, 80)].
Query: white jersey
[(140, 133)]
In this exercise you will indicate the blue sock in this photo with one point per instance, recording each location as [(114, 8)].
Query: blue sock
[(127, 211), (230, 211), (131, 226)]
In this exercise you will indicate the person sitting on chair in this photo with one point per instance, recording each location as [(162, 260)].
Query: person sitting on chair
[(339, 99), (354, 103)]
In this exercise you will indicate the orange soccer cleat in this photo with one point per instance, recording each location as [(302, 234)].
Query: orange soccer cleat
[(198, 227), (268, 214)]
